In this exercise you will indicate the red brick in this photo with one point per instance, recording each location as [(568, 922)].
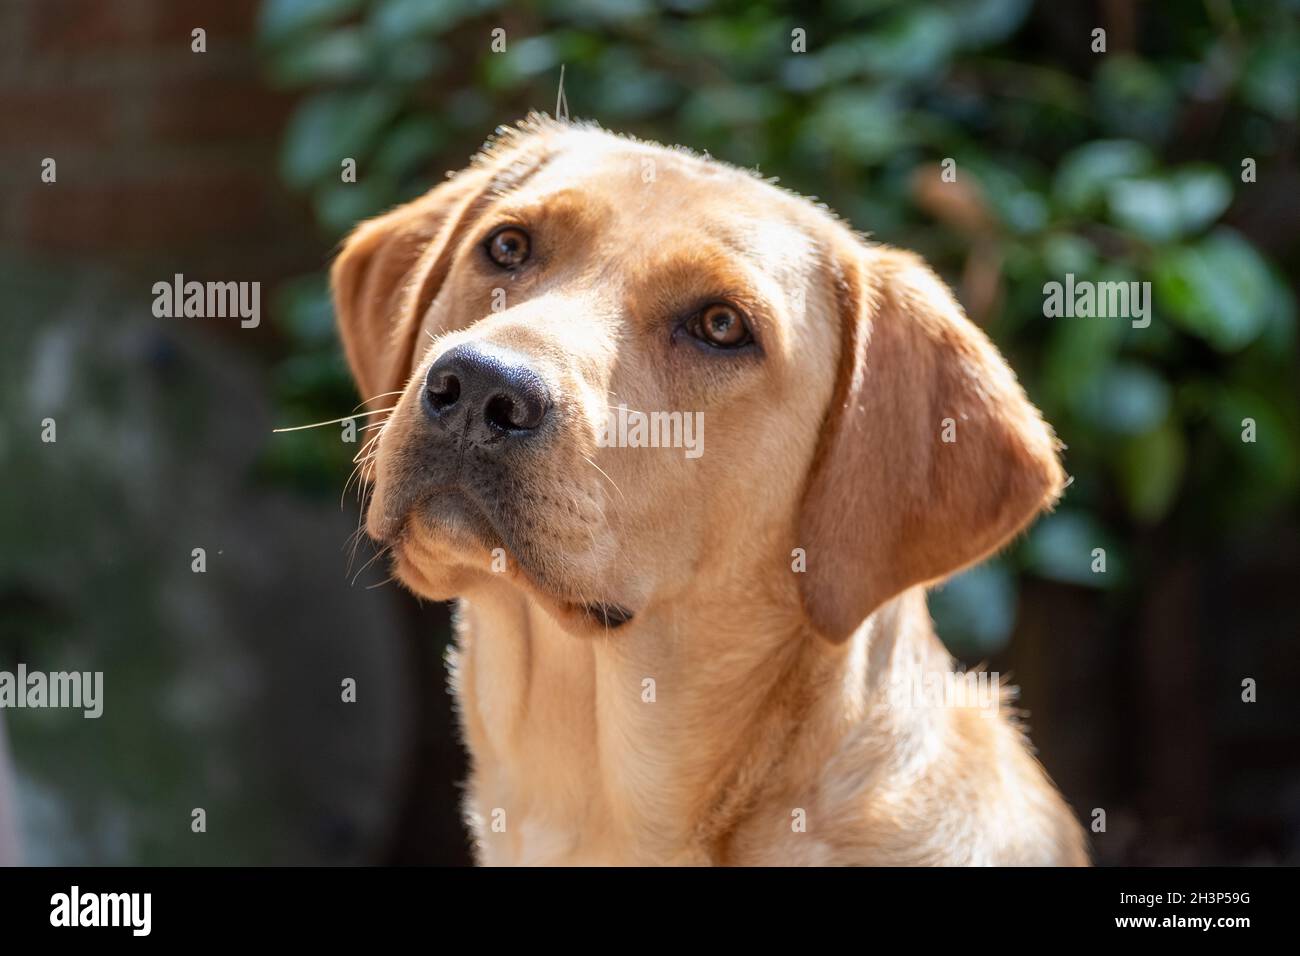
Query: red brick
[(191, 208), (104, 26), (81, 26), (50, 118), (211, 109), (171, 22)]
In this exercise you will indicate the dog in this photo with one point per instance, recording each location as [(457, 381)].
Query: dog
[(690, 660)]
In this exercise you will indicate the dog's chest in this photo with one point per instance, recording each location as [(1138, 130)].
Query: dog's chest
[(542, 801), (557, 776)]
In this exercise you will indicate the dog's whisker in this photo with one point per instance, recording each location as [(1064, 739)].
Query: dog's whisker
[(359, 468), (355, 474), (333, 421), (377, 555), (356, 470), (365, 451), (357, 538), (626, 408), (613, 483), (359, 533), (375, 398), (352, 540), (359, 461)]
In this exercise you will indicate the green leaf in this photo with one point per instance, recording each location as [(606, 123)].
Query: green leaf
[(342, 205), (330, 127), (1150, 468), (281, 20), (330, 57), (975, 611), (1125, 399), (409, 146), (1065, 252), (1271, 81), (912, 45), (1221, 290), (857, 124), (533, 55), (1061, 547), (305, 313), (523, 60), (1133, 98), (982, 22), (1270, 464), (1169, 207), (1085, 174), (724, 108), (631, 90), (397, 20), (1021, 208), (410, 61), (1079, 354)]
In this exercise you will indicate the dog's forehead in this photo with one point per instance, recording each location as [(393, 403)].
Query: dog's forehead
[(599, 153), (667, 190)]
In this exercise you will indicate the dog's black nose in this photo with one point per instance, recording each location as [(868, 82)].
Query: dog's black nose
[(487, 393)]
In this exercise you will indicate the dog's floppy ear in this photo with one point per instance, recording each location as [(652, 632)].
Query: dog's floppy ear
[(930, 458), (391, 267), (388, 265)]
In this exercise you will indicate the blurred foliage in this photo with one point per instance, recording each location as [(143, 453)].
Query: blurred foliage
[(1118, 166)]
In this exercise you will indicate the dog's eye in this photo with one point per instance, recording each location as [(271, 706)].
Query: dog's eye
[(721, 326), (508, 247)]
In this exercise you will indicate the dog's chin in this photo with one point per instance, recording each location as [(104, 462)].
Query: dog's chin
[(447, 549)]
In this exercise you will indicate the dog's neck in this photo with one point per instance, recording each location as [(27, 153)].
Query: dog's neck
[(660, 737)]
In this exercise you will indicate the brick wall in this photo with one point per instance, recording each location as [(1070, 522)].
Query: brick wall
[(166, 157)]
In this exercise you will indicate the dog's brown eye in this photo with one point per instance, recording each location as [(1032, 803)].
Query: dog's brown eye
[(721, 326), (508, 247)]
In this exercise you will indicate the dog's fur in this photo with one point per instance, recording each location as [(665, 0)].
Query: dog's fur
[(744, 715)]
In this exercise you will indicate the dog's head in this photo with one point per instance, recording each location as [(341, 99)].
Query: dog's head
[(573, 299)]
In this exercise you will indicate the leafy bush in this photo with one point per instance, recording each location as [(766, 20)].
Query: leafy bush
[(1127, 165)]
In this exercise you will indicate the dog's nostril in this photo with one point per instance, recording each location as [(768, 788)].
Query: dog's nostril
[(514, 413), (500, 411), (444, 390)]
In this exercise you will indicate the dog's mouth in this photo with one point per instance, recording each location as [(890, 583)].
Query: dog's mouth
[(609, 616), (460, 522)]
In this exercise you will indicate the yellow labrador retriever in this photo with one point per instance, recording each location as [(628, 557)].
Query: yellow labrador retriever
[(688, 451)]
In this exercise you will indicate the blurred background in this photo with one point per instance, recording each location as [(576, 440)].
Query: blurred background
[(1170, 158)]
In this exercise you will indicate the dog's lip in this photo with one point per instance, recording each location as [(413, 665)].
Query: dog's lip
[(465, 518), (583, 614), (607, 615), (611, 616)]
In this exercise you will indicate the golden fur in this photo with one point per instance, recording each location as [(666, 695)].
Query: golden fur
[(772, 735)]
